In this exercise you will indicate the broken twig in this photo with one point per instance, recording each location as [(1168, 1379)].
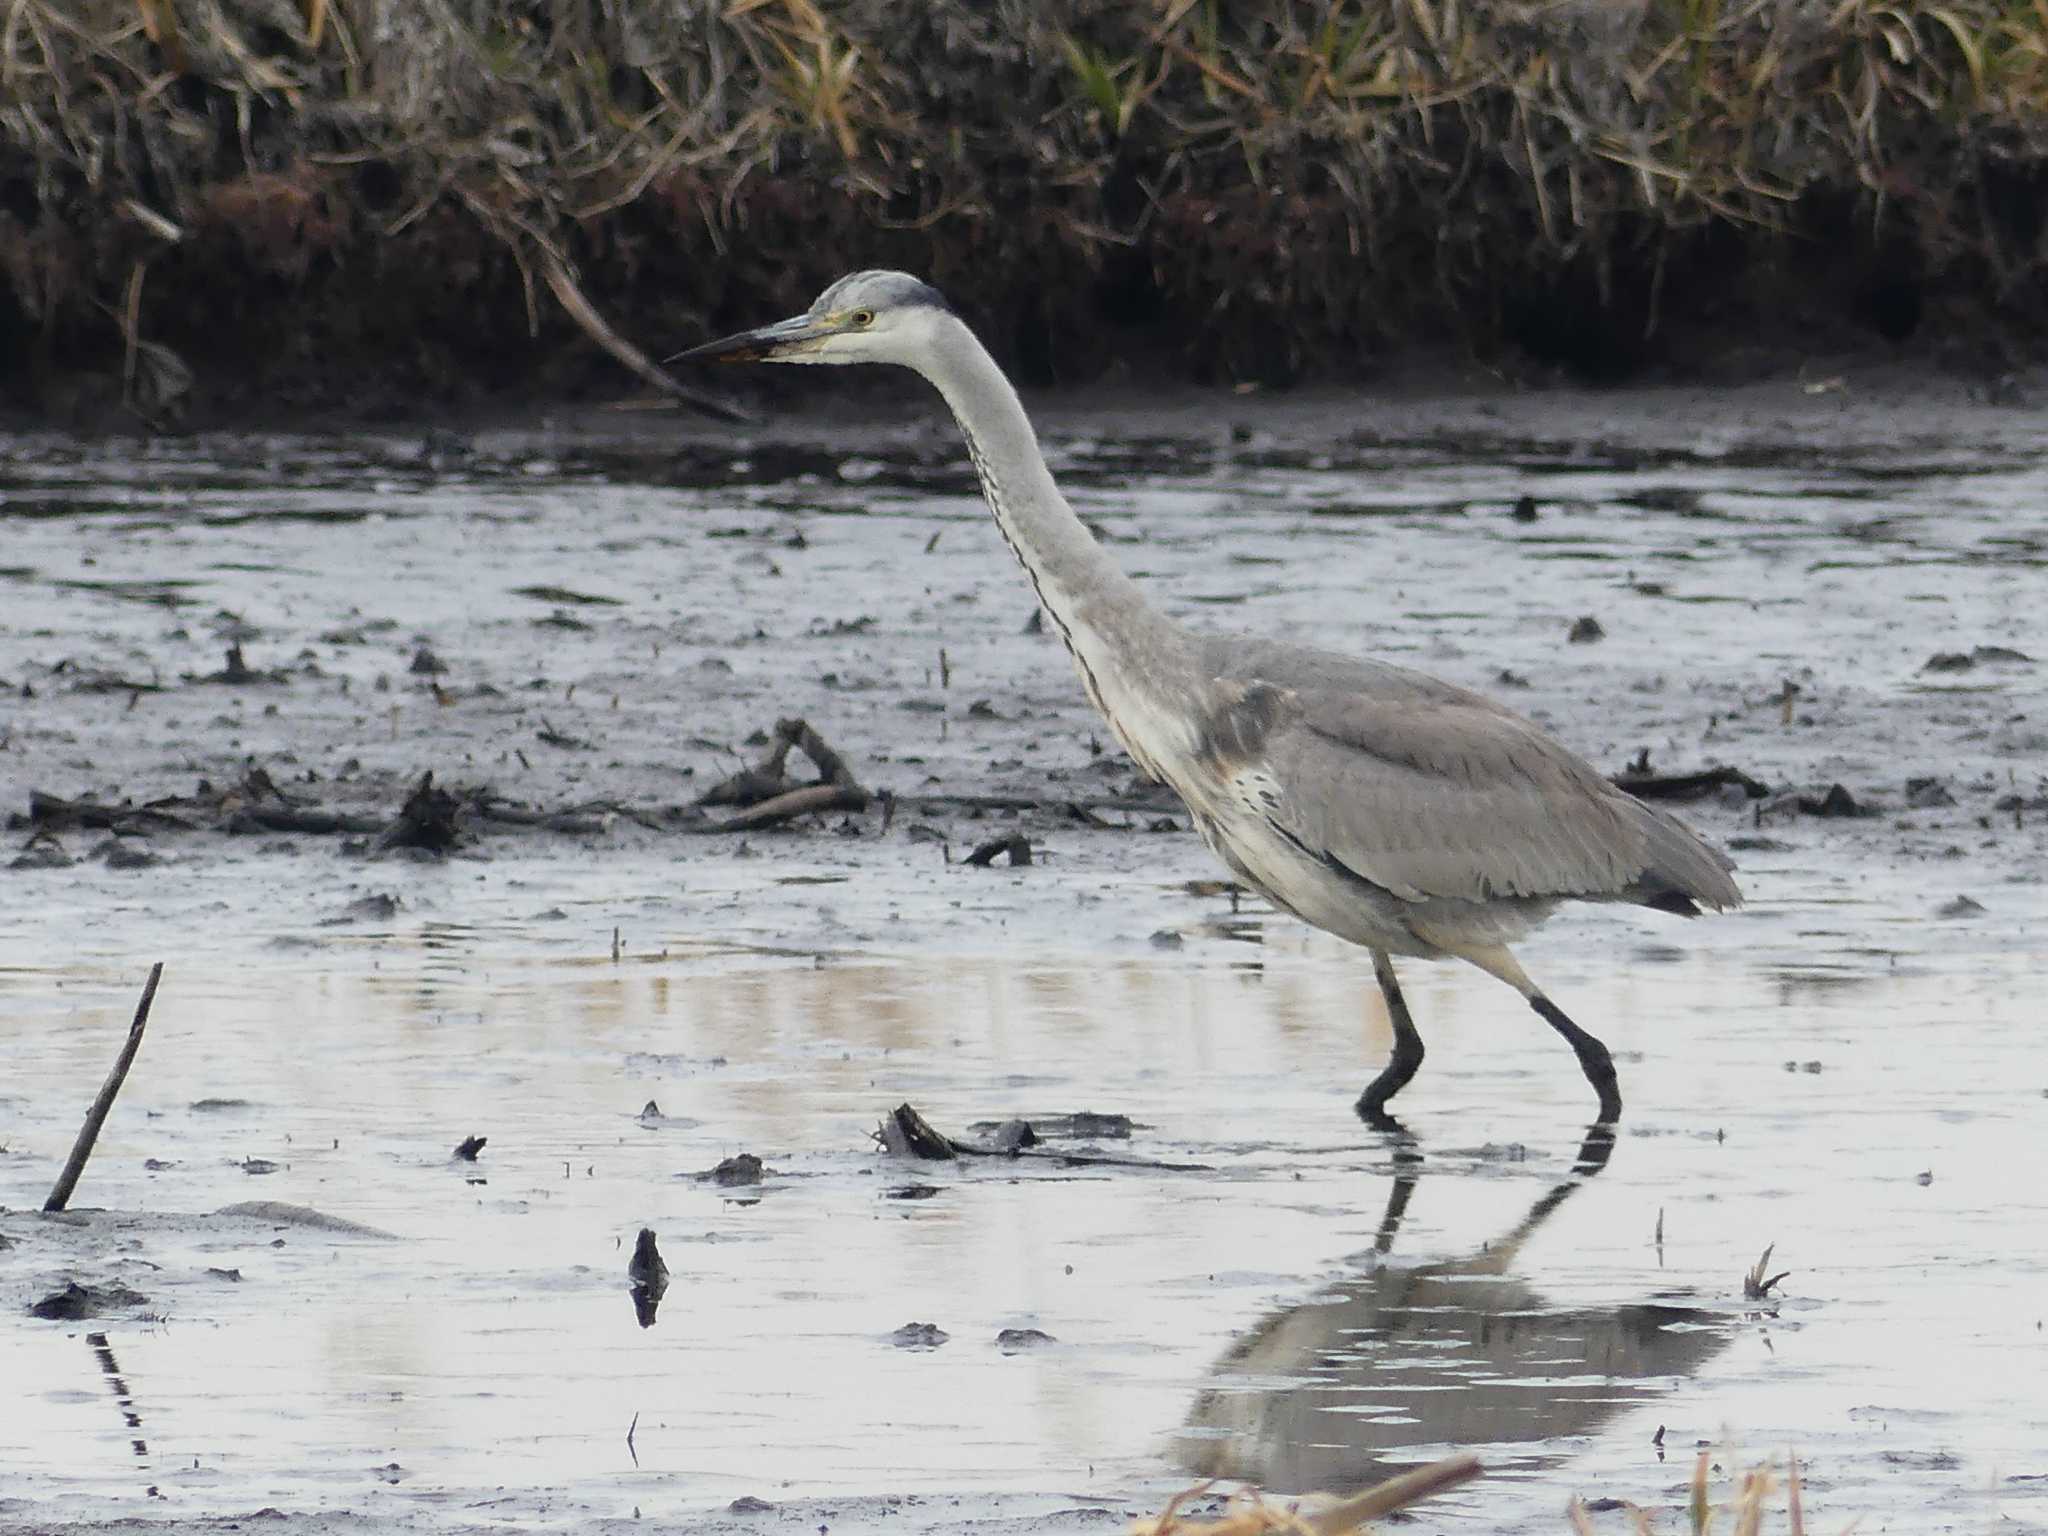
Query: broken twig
[(81, 1149), (1755, 1286), (585, 314), (765, 793)]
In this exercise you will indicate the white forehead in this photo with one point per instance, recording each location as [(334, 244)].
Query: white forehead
[(879, 291)]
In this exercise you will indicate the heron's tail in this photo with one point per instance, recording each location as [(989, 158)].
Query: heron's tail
[(1681, 873)]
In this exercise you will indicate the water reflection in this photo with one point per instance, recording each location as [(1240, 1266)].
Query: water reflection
[(1326, 1394), (103, 1352)]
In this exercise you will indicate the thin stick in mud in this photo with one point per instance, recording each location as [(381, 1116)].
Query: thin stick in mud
[(81, 1149)]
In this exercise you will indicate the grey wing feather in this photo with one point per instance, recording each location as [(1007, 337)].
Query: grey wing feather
[(1432, 791), (1254, 658)]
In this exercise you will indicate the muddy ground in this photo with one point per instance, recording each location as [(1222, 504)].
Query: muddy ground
[(579, 625)]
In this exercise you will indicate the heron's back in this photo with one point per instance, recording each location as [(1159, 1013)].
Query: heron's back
[(1431, 792)]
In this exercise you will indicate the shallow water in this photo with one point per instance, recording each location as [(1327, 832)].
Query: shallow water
[(496, 1345), (1836, 1070)]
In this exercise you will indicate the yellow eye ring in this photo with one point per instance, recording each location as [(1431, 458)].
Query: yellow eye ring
[(863, 318)]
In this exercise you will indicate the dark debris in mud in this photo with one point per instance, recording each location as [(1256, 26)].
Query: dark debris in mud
[(430, 820), (737, 1171), (1835, 800), (1970, 660), (1014, 1341), (767, 797), (235, 672), (436, 819), (919, 1336), (647, 1276), (1013, 846), (377, 907), (1638, 779), (905, 1132), (78, 1301)]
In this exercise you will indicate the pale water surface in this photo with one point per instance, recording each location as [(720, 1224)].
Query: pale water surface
[(1837, 1070)]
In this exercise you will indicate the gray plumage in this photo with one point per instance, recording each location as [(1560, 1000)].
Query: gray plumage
[(1433, 792), (1391, 808)]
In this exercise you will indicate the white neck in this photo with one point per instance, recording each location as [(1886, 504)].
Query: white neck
[(1136, 662)]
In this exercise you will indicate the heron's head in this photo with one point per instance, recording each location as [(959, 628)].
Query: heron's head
[(869, 317)]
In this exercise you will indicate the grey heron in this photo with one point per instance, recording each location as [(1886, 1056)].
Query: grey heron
[(1394, 810)]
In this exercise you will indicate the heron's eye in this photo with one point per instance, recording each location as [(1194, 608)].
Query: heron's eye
[(863, 318)]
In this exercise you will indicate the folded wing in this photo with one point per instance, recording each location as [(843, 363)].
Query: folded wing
[(1434, 793)]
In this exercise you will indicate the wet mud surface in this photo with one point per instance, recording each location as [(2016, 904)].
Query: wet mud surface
[(654, 1024)]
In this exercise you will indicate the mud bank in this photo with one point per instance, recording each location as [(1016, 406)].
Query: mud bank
[(220, 205), (580, 629)]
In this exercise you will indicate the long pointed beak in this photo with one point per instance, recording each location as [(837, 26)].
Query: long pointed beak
[(766, 345)]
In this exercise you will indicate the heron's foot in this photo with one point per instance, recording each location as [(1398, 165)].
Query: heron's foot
[(1594, 1059), (1376, 1118), (1401, 1067)]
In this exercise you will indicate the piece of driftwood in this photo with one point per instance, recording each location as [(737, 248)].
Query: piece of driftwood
[(1687, 786), (280, 818), (1015, 844), (767, 796), (812, 799), (907, 1133), (58, 813), (95, 1117)]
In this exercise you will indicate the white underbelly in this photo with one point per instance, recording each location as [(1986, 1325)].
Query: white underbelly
[(1309, 888), (1351, 907)]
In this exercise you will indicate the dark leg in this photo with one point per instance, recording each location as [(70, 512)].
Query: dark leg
[(1593, 1058), (1407, 1057)]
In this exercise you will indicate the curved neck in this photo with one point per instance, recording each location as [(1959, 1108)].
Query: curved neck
[(1122, 643)]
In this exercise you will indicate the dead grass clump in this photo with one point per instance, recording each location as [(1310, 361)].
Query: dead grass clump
[(1746, 1506)]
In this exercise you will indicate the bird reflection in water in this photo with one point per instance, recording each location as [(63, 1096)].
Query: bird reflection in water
[(1327, 1394)]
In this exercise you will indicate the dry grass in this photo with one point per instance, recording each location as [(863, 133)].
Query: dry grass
[(1278, 187), (1746, 1508), (1248, 1514)]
